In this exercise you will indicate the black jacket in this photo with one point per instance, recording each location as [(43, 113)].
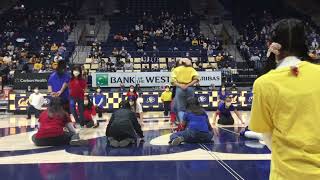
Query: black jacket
[(124, 124)]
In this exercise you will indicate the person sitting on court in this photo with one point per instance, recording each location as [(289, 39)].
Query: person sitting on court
[(123, 127), (36, 101), (52, 123), (196, 121), (224, 112), (89, 114)]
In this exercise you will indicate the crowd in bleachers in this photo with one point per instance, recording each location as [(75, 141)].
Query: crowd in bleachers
[(34, 40), (256, 34), (157, 34), (153, 43)]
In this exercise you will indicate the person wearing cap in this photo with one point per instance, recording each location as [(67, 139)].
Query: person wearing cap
[(166, 98), (184, 78), (136, 107)]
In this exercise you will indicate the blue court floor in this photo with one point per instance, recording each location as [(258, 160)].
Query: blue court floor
[(229, 157)]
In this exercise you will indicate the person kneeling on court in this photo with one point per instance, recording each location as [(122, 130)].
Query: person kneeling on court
[(52, 123), (224, 112), (123, 127), (196, 121)]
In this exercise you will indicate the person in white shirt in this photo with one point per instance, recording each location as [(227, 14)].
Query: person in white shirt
[(57, 58), (315, 44), (136, 107), (36, 101)]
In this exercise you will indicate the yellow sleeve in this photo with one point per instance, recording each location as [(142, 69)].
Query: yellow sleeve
[(195, 75), (162, 96), (261, 120), (174, 76)]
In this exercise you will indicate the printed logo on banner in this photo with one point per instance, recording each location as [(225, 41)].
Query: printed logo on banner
[(21, 102), (102, 80), (249, 98), (150, 100), (235, 97), (203, 98)]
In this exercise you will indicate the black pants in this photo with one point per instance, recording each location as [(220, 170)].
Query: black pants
[(31, 109), (223, 120), (89, 124), (53, 141), (99, 111), (167, 107)]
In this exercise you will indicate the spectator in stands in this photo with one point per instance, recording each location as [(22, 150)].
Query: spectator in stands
[(115, 52), (58, 84), (37, 66), (145, 68), (195, 42), (123, 53), (62, 49), (54, 48), (52, 123), (123, 127), (36, 101), (57, 58), (315, 44), (7, 59), (128, 65)]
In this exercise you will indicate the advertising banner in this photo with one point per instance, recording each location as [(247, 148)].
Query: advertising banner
[(148, 79)]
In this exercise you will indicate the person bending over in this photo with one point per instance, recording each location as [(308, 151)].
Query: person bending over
[(123, 127), (224, 112)]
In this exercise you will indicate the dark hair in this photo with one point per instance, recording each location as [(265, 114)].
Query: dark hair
[(290, 33), (61, 66), (125, 104), (193, 106), (90, 103), (74, 68), (55, 108)]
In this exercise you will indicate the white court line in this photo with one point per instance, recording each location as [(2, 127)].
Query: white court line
[(222, 163), (229, 130)]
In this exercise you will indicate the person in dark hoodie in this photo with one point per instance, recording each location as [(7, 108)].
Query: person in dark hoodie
[(123, 127)]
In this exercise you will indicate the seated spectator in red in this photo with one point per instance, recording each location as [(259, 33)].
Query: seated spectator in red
[(89, 114)]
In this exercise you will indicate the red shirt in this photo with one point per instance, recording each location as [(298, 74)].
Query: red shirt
[(88, 113), (51, 127), (132, 94), (77, 87)]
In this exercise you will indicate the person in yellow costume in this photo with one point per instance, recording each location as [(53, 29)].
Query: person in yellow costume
[(184, 77), (286, 105)]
